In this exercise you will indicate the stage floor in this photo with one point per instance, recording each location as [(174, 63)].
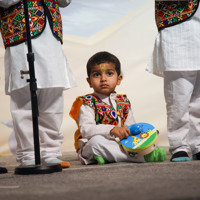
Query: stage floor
[(145, 181)]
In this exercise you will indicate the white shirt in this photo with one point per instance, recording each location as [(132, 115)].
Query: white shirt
[(51, 66), (87, 123), (177, 48)]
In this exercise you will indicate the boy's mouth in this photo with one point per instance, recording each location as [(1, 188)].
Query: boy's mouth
[(104, 86)]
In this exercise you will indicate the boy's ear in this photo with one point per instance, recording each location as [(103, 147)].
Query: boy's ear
[(119, 79), (89, 82)]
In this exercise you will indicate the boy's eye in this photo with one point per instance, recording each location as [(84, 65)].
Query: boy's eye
[(96, 74), (110, 73)]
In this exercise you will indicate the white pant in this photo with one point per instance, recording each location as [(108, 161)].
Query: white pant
[(50, 104), (182, 95), (109, 149)]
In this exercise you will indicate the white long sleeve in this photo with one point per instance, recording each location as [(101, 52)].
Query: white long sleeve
[(88, 126), (64, 3), (8, 3)]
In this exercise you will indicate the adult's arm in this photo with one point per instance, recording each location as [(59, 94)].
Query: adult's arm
[(64, 3), (8, 3)]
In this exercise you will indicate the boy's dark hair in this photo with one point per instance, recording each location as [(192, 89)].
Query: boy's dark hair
[(103, 57)]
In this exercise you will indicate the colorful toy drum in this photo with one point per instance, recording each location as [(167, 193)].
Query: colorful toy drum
[(142, 140)]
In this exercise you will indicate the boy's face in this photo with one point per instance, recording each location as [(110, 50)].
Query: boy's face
[(104, 78)]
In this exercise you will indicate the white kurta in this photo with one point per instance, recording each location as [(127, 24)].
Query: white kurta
[(51, 66), (177, 48), (53, 75), (97, 139)]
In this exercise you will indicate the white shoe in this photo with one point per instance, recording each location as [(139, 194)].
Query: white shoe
[(64, 164), (28, 162)]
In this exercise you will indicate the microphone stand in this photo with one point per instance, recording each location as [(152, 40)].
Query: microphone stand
[(37, 168)]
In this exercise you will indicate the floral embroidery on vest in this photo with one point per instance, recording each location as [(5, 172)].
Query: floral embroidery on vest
[(106, 114), (12, 20), (169, 13), (56, 17)]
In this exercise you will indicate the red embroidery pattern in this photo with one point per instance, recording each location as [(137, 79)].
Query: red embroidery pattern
[(12, 21), (106, 114), (169, 13)]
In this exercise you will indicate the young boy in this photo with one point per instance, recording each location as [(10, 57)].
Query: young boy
[(176, 58), (104, 115), (52, 71)]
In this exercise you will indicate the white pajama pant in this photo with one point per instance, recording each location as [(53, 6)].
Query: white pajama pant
[(109, 149), (50, 105), (182, 96)]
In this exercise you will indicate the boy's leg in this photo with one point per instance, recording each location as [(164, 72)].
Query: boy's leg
[(21, 112), (194, 134), (178, 88), (108, 149), (157, 155), (51, 107)]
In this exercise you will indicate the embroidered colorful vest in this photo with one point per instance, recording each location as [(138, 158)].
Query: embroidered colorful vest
[(104, 113), (12, 21), (169, 13)]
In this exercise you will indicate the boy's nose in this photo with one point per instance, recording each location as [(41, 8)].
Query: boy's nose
[(103, 77)]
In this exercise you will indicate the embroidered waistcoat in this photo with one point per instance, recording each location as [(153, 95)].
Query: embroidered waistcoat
[(12, 20), (104, 113), (169, 13)]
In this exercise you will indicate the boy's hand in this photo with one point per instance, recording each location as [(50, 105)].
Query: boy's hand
[(120, 132)]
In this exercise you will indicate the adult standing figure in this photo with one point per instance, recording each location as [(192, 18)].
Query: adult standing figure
[(52, 72), (176, 57)]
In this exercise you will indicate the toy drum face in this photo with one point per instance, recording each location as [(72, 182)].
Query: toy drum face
[(142, 140)]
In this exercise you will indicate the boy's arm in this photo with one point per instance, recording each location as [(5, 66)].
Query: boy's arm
[(64, 3), (88, 126), (130, 119), (123, 132), (8, 3)]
